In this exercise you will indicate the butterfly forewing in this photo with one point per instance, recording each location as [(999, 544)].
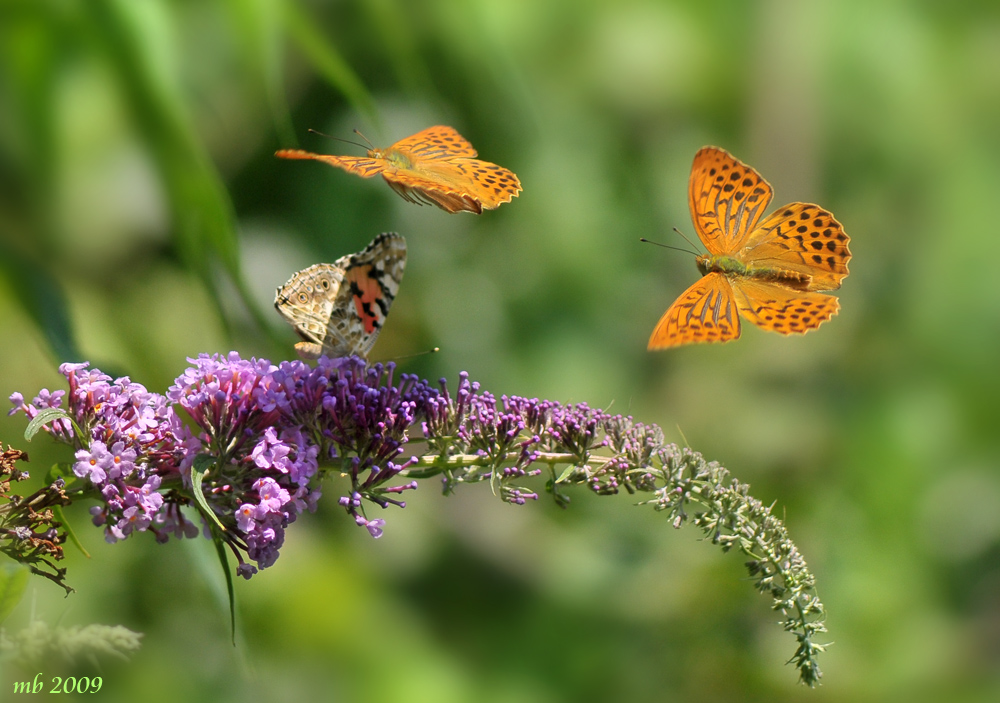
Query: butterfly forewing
[(705, 312), (371, 282), (364, 166), (439, 141), (804, 238), (727, 198), (778, 309)]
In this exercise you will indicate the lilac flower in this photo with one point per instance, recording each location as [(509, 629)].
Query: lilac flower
[(245, 516), (272, 496), (271, 453), (374, 526), (122, 460), (93, 463)]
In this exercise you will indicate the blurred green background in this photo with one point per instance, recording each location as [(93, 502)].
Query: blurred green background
[(144, 219)]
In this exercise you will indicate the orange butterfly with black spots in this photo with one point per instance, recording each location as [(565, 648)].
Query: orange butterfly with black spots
[(436, 166), (767, 271)]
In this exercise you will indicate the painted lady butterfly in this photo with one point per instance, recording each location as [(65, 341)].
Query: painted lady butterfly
[(338, 309)]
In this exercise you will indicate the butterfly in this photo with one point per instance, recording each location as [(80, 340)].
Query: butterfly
[(338, 309), (436, 166), (768, 271)]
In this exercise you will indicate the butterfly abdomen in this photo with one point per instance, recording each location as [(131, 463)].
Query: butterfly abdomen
[(732, 266)]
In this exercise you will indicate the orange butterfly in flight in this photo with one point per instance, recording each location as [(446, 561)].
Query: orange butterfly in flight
[(768, 271), (435, 166)]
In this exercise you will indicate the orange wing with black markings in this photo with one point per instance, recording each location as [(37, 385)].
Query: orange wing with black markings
[(726, 198), (705, 312)]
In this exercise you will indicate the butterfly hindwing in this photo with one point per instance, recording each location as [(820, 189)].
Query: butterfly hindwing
[(459, 184), (778, 309), (726, 197), (306, 302), (705, 312), (414, 188), (804, 238)]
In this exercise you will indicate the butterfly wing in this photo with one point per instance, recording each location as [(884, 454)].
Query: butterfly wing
[(803, 238), (306, 301), (371, 281), (456, 184), (442, 171), (778, 309), (705, 312), (364, 166), (416, 188), (726, 197), (436, 142)]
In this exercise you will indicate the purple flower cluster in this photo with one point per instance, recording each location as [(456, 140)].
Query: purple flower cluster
[(250, 456), (259, 464), (510, 435), (256, 437), (128, 441)]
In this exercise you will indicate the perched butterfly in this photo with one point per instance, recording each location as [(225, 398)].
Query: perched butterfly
[(338, 309), (436, 166), (768, 271)]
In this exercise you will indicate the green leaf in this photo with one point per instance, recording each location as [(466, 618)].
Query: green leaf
[(44, 417), (203, 463), (220, 548), (42, 298), (567, 472), (13, 581), (259, 32), (203, 217), (61, 517), (328, 62), (60, 470)]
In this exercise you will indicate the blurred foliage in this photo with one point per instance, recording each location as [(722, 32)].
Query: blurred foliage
[(144, 219)]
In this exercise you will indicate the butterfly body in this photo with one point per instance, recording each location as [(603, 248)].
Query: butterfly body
[(436, 166), (767, 271), (735, 268), (338, 309), (393, 157)]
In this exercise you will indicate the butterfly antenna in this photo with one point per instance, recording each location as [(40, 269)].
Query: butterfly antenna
[(346, 141), (432, 350), (685, 238), (666, 246), (370, 145)]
